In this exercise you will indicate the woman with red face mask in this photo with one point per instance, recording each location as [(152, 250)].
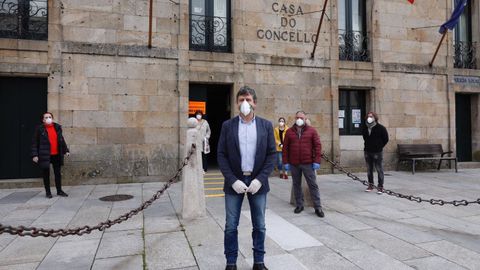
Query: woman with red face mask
[(49, 147)]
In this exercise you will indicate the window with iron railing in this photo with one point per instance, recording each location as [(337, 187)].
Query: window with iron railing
[(24, 19), (464, 48), (352, 33), (210, 28)]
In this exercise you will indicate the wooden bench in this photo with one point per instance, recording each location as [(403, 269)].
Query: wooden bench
[(416, 152)]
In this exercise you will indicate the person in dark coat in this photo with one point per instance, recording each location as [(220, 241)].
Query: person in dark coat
[(375, 136), (49, 147), (246, 156), (302, 153)]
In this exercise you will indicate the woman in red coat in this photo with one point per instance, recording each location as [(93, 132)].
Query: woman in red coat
[(49, 147)]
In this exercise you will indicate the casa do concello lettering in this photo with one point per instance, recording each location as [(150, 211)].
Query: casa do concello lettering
[(287, 31)]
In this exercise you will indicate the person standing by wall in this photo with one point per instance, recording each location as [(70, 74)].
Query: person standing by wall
[(204, 132), (49, 147), (279, 133), (375, 138), (302, 152), (246, 156)]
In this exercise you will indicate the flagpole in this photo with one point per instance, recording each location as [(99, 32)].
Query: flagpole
[(318, 29), (150, 15), (438, 48)]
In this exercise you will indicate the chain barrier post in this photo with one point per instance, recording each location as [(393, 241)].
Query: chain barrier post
[(192, 177)]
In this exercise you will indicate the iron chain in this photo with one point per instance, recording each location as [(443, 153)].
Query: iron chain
[(35, 232), (412, 198)]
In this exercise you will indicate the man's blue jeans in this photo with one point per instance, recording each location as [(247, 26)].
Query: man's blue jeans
[(233, 207)]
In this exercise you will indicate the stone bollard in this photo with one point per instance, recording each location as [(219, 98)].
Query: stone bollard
[(192, 177), (307, 199)]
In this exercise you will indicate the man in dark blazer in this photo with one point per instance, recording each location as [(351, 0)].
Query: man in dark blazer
[(246, 155)]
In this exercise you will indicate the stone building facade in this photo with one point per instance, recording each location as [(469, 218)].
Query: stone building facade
[(124, 106)]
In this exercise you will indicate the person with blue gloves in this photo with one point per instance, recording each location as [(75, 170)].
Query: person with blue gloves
[(302, 152)]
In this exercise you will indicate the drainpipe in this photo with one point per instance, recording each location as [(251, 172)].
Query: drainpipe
[(179, 157)]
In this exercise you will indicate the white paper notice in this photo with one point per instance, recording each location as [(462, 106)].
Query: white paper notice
[(341, 113), (356, 116), (340, 122)]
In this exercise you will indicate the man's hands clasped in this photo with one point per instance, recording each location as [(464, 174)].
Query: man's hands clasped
[(240, 186)]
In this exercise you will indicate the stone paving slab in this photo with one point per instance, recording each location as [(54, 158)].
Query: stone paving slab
[(322, 258), (18, 197), (120, 243), (390, 245), (454, 253), (168, 251), (436, 263), (26, 250), (26, 266), (285, 234), (72, 255), (119, 263)]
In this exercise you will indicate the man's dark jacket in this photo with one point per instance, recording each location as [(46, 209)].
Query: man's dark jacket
[(377, 139), (230, 161), (41, 145)]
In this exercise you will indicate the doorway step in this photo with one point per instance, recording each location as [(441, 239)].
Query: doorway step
[(21, 183), (469, 165)]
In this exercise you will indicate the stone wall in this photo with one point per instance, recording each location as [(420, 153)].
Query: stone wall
[(124, 106)]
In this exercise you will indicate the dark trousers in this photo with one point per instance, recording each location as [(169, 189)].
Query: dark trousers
[(55, 160), (311, 179), (374, 160), (204, 162)]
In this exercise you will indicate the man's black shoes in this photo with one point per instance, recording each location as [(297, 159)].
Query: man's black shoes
[(231, 267), (62, 194), (298, 209), (259, 266), (49, 195), (319, 212)]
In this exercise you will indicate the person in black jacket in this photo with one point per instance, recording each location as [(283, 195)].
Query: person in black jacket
[(376, 137), (49, 146)]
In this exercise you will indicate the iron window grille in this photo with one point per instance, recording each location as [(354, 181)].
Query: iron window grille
[(24, 19), (353, 46), (465, 55), (210, 33)]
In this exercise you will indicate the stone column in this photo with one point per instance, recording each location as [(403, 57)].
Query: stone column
[(307, 200), (192, 177)]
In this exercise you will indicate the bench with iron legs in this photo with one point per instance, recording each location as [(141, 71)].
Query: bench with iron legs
[(414, 152)]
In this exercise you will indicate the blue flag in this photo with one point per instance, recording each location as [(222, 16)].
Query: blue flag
[(450, 24)]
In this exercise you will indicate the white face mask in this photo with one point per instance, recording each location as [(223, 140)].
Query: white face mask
[(281, 124), (370, 120), (299, 122), (245, 108), (199, 116), (48, 121)]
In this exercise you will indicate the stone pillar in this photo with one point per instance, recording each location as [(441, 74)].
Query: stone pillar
[(307, 200), (192, 177)]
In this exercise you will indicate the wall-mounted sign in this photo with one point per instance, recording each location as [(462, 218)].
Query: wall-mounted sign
[(287, 30), (194, 106), (467, 80)]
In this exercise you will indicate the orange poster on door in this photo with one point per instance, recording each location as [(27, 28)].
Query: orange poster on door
[(197, 106)]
